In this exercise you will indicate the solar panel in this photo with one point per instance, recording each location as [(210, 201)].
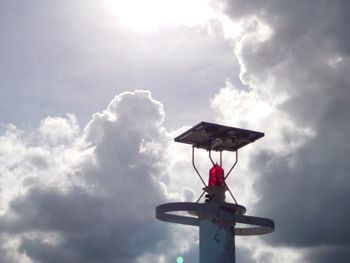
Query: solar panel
[(217, 137)]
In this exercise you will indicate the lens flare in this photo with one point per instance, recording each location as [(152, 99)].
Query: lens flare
[(179, 260)]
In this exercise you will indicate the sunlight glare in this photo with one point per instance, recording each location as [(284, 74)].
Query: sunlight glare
[(149, 15)]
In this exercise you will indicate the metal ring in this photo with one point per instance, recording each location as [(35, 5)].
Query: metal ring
[(217, 213)]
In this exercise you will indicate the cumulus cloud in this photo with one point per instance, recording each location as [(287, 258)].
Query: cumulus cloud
[(87, 196), (63, 187), (294, 60), (59, 130)]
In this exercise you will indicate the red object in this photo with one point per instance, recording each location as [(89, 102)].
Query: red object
[(216, 176)]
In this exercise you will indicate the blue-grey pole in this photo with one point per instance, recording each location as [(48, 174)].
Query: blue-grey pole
[(216, 242)]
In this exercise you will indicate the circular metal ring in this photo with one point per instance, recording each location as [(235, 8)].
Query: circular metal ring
[(216, 212)]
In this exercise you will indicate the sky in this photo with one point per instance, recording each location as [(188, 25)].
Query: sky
[(93, 93)]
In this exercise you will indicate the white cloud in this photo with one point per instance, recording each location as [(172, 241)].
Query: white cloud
[(59, 130), (89, 196), (250, 109)]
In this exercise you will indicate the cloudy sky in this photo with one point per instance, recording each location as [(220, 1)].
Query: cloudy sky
[(93, 93)]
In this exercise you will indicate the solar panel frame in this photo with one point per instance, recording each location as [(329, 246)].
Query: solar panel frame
[(216, 137)]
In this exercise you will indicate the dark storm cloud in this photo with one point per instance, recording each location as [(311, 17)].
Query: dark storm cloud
[(307, 56), (339, 254), (307, 201), (91, 229)]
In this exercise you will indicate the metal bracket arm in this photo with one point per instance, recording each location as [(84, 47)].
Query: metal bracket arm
[(194, 166), (233, 165), (261, 225), (211, 158)]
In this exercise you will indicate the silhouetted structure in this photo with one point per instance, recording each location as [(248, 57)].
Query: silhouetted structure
[(216, 218)]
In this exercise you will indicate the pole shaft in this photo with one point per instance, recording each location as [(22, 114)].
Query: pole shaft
[(216, 242)]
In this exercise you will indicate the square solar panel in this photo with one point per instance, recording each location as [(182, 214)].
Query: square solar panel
[(217, 137)]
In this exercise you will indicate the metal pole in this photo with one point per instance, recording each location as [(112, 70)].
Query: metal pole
[(216, 238), (216, 242), (221, 158)]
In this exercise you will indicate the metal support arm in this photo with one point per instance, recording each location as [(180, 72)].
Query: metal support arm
[(233, 165), (211, 158), (195, 168)]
